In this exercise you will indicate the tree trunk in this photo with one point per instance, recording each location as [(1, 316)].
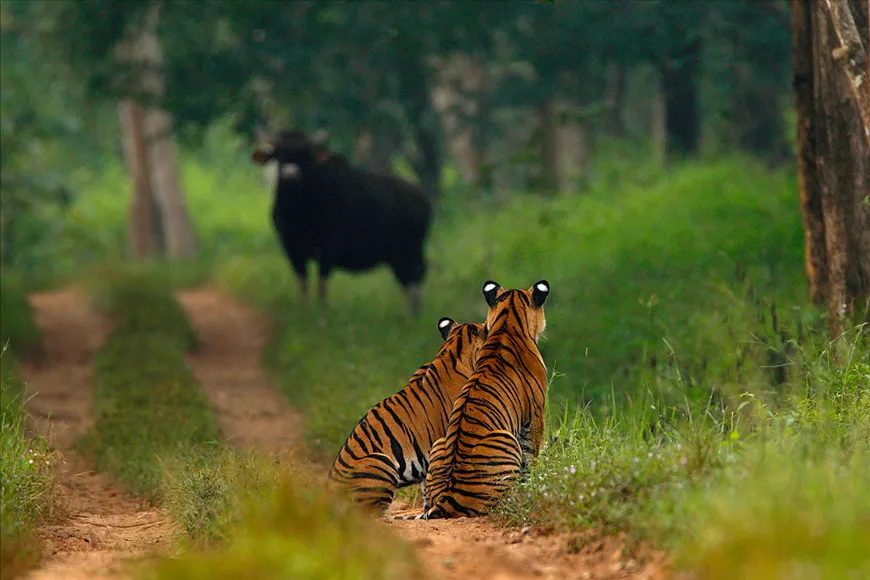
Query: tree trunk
[(374, 149), (456, 96), (144, 53), (679, 82), (616, 119), (834, 165), (659, 130), (145, 234)]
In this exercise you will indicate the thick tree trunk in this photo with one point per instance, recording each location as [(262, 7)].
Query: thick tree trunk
[(815, 255), (145, 233), (144, 54), (835, 165), (679, 81), (162, 155)]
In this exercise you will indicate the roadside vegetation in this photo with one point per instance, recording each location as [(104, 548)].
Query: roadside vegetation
[(28, 490)]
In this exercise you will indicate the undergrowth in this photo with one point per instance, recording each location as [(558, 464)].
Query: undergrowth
[(773, 487), (704, 261), (28, 489), (294, 529)]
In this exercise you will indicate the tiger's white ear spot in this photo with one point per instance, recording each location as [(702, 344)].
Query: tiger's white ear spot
[(542, 287), (490, 287), (444, 323)]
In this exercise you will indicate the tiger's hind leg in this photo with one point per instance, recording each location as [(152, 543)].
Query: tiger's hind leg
[(481, 476), (371, 481)]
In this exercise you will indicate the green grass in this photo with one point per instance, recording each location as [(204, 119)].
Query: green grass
[(18, 331), (294, 529), (156, 434), (146, 402), (28, 490), (766, 489), (642, 265)]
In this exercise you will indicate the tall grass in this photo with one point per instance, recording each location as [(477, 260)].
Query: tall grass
[(28, 490), (766, 489)]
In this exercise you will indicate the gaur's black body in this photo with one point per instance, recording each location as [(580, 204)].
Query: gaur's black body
[(344, 217)]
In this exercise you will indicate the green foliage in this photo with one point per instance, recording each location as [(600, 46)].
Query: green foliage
[(761, 491), (644, 265), (146, 402), (296, 530), (204, 494), (18, 331), (28, 491)]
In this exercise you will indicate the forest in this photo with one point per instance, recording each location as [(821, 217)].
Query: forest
[(688, 179)]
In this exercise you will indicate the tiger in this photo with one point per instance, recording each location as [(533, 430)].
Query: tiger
[(496, 426), (389, 448)]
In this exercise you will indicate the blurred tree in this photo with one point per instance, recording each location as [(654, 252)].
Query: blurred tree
[(115, 48), (830, 56)]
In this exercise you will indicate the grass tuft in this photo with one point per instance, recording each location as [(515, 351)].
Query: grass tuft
[(297, 530), (146, 401), (28, 490)]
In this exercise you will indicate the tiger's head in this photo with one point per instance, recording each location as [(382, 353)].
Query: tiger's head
[(462, 341), (521, 308)]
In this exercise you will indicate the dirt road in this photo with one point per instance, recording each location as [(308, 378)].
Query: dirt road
[(100, 527), (104, 527)]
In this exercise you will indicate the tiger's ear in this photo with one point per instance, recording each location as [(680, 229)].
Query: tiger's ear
[(540, 291), (490, 291), (444, 325), (262, 157)]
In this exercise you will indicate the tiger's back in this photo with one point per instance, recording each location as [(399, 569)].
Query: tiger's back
[(389, 447), (497, 422)]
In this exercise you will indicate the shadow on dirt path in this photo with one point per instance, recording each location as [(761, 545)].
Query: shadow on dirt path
[(100, 527), (228, 366)]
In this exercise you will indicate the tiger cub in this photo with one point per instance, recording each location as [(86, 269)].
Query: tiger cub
[(497, 423), (389, 447)]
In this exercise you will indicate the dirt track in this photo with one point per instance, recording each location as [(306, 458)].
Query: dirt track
[(100, 526), (103, 527)]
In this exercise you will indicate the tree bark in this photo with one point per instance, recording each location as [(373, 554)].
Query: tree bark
[(145, 234), (145, 56), (679, 81), (851, 54), (659, 129), (834, 169), (618, 80)]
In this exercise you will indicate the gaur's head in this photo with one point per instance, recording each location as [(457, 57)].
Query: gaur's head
[(294, 153)]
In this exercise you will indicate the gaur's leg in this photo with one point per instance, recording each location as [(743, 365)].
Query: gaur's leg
[(299, 261), (410, 271), (321, 282)]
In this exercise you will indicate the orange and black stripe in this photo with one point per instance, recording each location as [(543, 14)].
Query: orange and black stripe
[(497, 422), (389, 448)]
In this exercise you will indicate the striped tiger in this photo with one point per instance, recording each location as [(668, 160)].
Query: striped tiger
[(497, 423), (389, 447)]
